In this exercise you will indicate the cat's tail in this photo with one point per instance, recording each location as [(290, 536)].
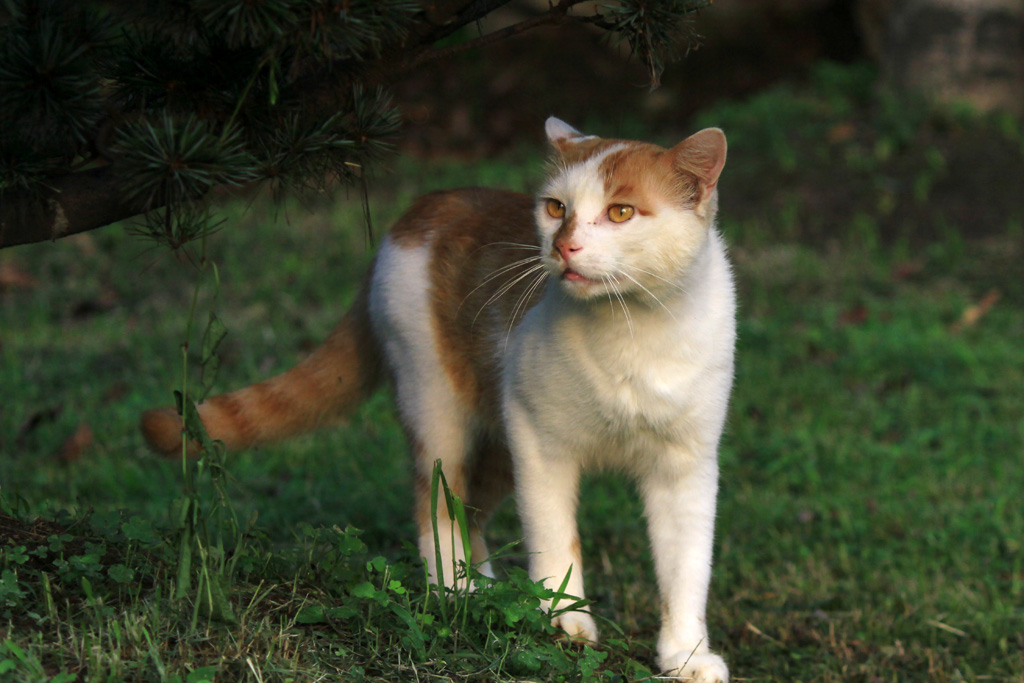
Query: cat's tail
[(333, 380)]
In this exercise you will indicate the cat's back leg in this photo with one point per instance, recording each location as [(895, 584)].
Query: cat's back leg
[(438, 422)]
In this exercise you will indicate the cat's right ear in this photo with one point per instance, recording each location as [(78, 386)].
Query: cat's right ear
[(559, 132), (702, 154)]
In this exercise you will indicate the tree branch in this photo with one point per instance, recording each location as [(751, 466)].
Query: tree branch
[(86, 200), (556, 15), (78, 202), (473, 12)]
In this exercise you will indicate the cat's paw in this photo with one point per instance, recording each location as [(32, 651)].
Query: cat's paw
[(696, 668), (580, 626)]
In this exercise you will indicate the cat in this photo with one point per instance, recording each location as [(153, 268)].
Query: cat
[(529, 339)]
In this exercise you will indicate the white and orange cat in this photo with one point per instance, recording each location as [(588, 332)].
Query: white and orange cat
[(529, 339)]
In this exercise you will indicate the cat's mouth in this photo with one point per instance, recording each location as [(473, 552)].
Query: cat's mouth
[(575, 276)]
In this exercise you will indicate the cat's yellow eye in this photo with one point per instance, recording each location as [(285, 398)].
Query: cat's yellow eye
[(620, 213), (556, 209)]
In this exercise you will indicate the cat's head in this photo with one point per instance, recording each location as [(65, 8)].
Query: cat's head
[(623, 216)]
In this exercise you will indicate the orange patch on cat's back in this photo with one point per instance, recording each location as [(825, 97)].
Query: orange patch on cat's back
[(427, 214), (472, 233)]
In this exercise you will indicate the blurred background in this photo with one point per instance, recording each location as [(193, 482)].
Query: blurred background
[(831, 86)]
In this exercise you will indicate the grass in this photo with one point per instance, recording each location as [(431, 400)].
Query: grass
[(870, 523)]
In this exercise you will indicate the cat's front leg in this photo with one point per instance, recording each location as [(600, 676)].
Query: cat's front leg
[(547, 488), (679, 500)]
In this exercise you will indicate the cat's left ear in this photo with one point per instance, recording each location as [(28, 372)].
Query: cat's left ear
[(703, 155), (559, 132)]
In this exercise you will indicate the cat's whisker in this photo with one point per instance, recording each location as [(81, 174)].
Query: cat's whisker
[(509, 245), (503, 289), (607, 291), (504, 269), (650, 294), (498, 273), (674, 285), (622, 302), (523, 303), (509, 285), (625, 309), (506, 287), (513, 245), (541, 277)]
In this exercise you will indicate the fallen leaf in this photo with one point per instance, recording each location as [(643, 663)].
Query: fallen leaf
[(13, 277), (907, 269), (972, 314), (841, 132), (115, 392), (855, 316), (72, 449)]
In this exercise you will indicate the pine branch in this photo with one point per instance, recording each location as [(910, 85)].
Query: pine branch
[(197, 94)]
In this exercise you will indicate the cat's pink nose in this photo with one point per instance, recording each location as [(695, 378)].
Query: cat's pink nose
[(566, 249)]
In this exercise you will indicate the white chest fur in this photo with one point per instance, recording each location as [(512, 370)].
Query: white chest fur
[(610, 390)]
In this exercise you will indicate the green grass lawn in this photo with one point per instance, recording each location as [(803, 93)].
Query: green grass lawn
[(871, 525)]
